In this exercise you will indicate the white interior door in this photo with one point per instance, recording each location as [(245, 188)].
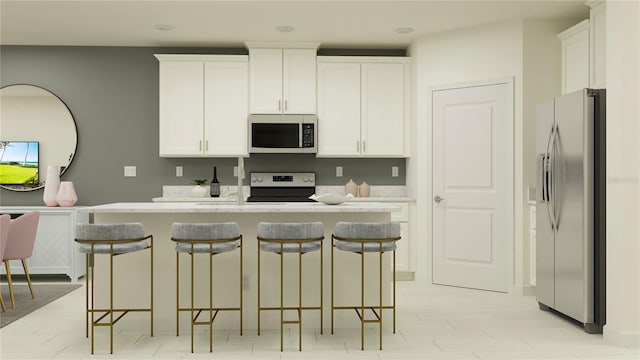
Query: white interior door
[(473, 186)]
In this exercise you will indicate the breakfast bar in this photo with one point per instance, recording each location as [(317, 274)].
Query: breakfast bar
[(132, 271)]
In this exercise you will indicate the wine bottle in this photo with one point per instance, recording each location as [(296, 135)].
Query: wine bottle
[(214, 188)]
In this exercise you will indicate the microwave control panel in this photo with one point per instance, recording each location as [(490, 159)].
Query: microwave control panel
[(308, 135)]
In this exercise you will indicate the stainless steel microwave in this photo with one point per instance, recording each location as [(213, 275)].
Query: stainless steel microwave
[(283, 133)]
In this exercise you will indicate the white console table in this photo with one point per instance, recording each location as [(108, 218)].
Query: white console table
[(55, 251)]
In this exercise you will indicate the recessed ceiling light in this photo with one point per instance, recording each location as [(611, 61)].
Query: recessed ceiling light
[(403, 30), (285, 28), (163, 27)]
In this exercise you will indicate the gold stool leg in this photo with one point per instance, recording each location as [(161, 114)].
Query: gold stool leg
[(151, 288), (394, 291), (332, 285), (258, 287), (192, 302), (241, 284), (26, 273), (210, 297), (281, 297), (86, 296), (111, 300), (321, 291), (300, 297), (10, 283), (362, 298), (177, 293), (380, 293)]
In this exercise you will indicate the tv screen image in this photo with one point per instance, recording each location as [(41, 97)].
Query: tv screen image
[(19, 163)]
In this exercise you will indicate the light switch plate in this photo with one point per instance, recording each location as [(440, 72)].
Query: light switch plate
[(179, 171), (394, 171), (235, 171), (338, 171), (129, 171)]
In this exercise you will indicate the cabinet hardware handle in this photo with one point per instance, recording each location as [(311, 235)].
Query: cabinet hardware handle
[(200, 145), (285, 105), (364, 146), (438, 199), (279, 104), (358, 145)]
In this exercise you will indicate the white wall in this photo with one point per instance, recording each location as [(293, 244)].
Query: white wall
[(623, 173), (474, 54), (528, 51)]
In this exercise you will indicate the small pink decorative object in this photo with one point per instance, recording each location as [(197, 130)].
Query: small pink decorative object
[(351, 188), (66, 194), (51, 185), (363, 189)]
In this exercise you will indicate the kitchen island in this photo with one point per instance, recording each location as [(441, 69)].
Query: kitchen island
[(131, 271)]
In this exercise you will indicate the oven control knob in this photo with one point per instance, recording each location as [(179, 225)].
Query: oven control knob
[(254, 179), (259, 179)]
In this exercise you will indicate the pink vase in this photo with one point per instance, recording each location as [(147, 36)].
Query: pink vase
[(51, 185), (66, 194)]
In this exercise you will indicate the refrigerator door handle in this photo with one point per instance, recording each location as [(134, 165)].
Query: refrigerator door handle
[(548, 174), (552, 175)]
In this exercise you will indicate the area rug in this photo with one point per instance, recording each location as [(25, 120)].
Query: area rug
[(45, 293)]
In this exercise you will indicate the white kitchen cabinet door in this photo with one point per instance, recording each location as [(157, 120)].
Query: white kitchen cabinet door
[(598, 38), (225, 108), (181, 108), (361, 106), (203, 105), (338, 109), (575, 57), (265, 76), (382, 125), (282, 81), (299, 81)]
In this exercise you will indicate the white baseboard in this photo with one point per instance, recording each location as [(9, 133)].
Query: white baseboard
[(621, 338), (524, 290)]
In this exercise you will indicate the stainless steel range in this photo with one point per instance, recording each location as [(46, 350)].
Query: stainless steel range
[(282, 187)]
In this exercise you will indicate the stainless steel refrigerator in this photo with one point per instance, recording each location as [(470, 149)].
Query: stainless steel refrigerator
[(570, 207)]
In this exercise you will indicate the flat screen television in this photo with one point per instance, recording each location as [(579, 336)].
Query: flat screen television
[(19, 163)]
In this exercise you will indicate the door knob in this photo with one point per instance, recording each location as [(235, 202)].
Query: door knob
[(437, 198)]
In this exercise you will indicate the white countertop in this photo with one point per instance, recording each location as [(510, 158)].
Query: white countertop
[(233, 200), (208, 207)]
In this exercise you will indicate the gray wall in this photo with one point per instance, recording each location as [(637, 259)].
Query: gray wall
[(112, 93)]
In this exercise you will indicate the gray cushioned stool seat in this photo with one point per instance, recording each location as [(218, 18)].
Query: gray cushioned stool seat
[(366, 231), (206, 231), (293, 232), (111, 232)]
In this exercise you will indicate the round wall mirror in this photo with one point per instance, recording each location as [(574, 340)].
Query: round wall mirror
[(36, 130)]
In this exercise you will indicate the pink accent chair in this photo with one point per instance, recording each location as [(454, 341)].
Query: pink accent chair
[(22, 237), (5, 220)]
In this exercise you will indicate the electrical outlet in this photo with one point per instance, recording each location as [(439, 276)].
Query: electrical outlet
[(129, 171), (338, 171), (235, 171), (394, 171), (179, 171)]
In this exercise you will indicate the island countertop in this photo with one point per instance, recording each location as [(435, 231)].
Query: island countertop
[(212, 207)]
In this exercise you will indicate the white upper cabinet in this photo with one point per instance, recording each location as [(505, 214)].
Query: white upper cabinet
[(598, 44), (203, 105), (282, 81), (584, 51), (362, 106), (575, 57)]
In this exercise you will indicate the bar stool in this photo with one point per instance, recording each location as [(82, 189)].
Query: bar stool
[(210, 239), (111, 239), (298, 238), (361, 238)]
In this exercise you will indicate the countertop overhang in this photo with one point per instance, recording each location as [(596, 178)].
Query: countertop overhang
[(212, 207)]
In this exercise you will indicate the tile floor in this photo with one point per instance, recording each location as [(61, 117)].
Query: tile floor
[(434, 322)]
